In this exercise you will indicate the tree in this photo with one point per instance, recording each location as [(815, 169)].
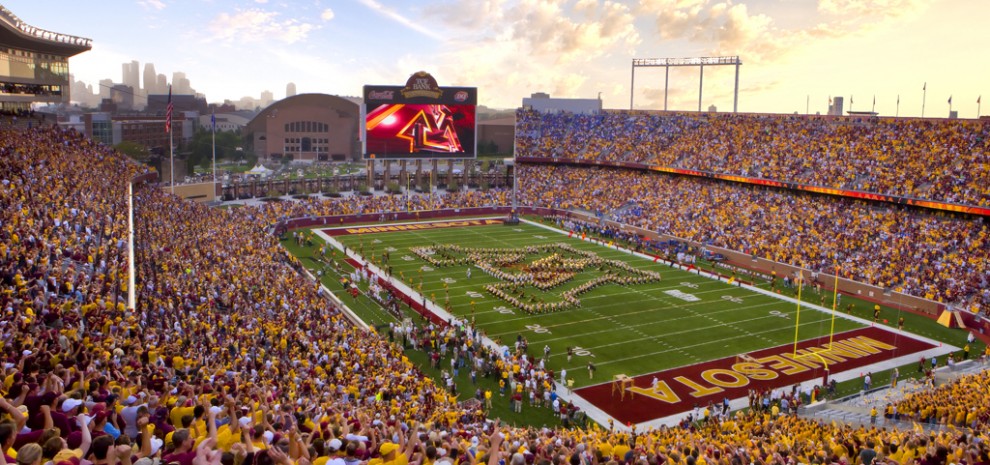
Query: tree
[(133, 150), (200, 148)]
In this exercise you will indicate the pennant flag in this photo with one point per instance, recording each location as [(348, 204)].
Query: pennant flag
[(924, 87), (950, 100), (168, 112), (978, 99)]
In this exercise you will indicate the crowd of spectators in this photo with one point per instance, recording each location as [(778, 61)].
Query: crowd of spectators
[(231, 357), (944, 160), (951, 404), (932, 256)]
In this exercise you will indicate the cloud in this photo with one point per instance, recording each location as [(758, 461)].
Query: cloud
[(728, 27), (588, 31), (390, 13), (157, 5), (511, 48), (545, 30), (724, 27), (327, 14), (255, 25), (851, 8)]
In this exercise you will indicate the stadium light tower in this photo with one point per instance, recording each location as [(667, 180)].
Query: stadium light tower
[(700, 62)]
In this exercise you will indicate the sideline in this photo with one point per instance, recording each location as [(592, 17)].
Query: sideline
[(348, 313)]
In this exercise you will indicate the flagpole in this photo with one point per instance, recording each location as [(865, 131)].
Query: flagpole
[(950, 105), (898, 106), (171, 147), (171, 160), (213, 122), (874, 110), (131, 296), (924, 98), (978, 106)]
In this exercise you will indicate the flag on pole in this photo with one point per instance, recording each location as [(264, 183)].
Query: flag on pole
[(213, 121), (978, 99), (924, 87), (898, 99), (950, 100), (168, 111)]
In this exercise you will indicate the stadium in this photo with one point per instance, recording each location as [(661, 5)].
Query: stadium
[(641, 287)]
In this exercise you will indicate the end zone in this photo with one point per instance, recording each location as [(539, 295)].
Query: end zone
[(678, 390)]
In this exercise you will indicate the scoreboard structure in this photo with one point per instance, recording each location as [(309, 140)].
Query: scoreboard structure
[(420, 120)]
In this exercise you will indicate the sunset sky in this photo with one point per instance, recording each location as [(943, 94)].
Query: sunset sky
[(791, 49)]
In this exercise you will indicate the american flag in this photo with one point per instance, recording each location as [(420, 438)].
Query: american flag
[(168, 112)]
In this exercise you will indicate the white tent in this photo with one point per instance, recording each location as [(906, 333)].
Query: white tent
[(260, 170)]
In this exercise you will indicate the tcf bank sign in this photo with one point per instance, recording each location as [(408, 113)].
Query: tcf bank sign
[(422, 84)]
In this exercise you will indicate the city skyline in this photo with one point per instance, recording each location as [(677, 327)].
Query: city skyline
[(150, 83), (794, 53)]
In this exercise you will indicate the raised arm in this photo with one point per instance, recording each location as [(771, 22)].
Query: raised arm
[(147, 429), (87, 437), (495, 441)]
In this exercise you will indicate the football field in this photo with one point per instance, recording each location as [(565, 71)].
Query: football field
[(680, 338)]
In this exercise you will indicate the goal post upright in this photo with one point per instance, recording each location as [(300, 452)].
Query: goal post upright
[(831, 331)]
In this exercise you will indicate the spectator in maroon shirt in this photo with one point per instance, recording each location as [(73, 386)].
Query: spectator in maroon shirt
[(183, 452), (61, 416)]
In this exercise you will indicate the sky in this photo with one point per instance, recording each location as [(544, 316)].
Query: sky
[(795, 53)]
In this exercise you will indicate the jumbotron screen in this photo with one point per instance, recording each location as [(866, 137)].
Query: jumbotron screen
[(419, 120), (405, 130)]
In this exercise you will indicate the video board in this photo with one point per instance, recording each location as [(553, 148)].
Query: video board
[(419, 120)]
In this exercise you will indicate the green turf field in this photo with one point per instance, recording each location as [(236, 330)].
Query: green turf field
[(632, 329)]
